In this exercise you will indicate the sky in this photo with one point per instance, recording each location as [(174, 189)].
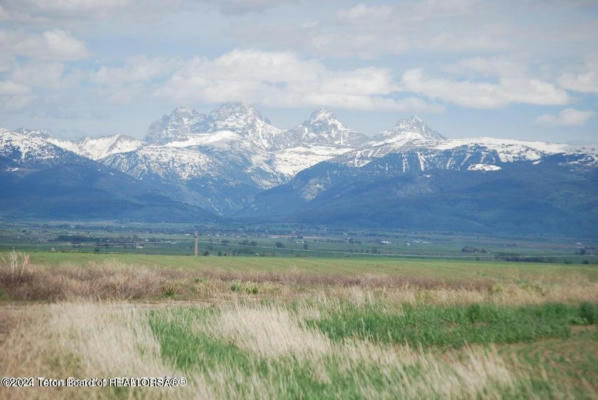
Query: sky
[(525, 69)]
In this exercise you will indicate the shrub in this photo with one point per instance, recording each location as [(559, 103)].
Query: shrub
[(14, 268), (589, 313), (169, 291)]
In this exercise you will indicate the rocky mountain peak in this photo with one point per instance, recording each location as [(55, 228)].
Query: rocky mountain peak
[(42, 133), (237, 117), (324, 121), (171, 126), (235, 109), (323, 128), (414, 128)]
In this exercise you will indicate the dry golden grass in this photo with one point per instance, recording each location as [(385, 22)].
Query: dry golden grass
[(274, 334), (83, 328), (113, 280), (92, 339), (269, 332), (85, 340)]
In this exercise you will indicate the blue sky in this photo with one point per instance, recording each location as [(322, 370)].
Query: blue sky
[(521, 69)]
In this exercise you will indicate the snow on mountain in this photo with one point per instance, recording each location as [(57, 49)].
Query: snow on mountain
[(174, 125), (239, 128), (289, 162), (509, 150), (27, 145), (234, 152), (407, 133), (98, 148), (218, 139), (324, 129), (92, 148), (238, 118), (165, 162), (65, 144), (244, 120), (413, 135), (411, 130), (483, 167)]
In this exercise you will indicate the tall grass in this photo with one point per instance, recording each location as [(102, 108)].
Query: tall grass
[(265, 352), (244, 351), (113, 280), (453, 325), (295, 333)]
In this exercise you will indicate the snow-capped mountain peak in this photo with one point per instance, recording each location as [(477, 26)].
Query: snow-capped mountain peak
[(42, 133), (236, 112), (242, 119), (24, 145), (322, 114), (174, 125), (323, 120), (323, 128), (412, 129), (100, 147), (94, 148)]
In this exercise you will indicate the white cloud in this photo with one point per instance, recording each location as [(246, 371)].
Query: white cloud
[(566, 117), (46, 11), (3, 14), (246, 6), (48, 75), (584, 80), (56, 44), (489, 66), (280, 79), (35, 11), (122, 84), (481, 94), (14, 95), (9, 88), (369, 31), (76, 6), (135, 69), (362, 11), (42, 68)]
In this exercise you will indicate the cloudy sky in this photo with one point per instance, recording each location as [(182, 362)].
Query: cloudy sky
[(523, 69)]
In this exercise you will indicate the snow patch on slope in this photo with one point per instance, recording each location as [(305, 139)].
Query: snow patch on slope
[(216, 139), (289, 162), (509, 150), (28, 146), (483, 167), (166, 162)]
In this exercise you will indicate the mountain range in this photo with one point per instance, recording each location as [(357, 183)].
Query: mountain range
[(233, 163)]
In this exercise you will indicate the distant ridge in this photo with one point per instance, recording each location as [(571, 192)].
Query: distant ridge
[(234, 163)]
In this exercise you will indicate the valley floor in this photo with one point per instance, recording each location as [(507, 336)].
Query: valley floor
[(300, 327)]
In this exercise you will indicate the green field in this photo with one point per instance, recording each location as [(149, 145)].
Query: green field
[(300, 327), (291, 242), (442, 268)]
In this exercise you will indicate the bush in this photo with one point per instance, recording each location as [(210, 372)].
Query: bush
[(589, 313), (169, 291), (452, 326)]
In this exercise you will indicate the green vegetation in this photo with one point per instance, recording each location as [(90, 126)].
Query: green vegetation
[(455, 326), (288, 241), (187, 343), (421, 267), (301, 327), (216, 342)]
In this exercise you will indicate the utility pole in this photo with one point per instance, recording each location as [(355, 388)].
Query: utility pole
[(196, 243)]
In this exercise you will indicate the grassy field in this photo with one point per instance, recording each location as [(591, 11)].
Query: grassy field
[(300, 327)]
